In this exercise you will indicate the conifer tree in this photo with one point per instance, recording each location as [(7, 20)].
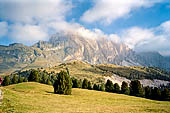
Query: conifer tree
[(136, 88), (63, 84), (125, 88), (109, 87), (116, 88), (6, 81), (85, 84)]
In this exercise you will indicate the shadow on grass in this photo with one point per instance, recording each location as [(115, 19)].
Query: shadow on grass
[(49, 92)]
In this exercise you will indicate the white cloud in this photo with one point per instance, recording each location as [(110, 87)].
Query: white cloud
[(30, 19), (33, 11), (3, 29), (27, 34), (153, 39), (109, 10)]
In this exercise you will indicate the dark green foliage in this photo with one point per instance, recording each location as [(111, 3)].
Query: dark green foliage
[(76, 83), (165, 94), (95, 87), (148, 92), (14, 79), (63, 84), (49, 82), (34, 76), (156, 94), (109, 87), (116, 88), (6, 81), (44, 78), (125, 88), (85, 84), (136, 88), (102, 87), (21, 79), (25, 79), (89, 85)]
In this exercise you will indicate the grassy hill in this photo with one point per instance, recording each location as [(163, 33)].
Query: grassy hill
[(39, 98)]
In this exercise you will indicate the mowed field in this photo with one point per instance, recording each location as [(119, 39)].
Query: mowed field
[(39, 98)]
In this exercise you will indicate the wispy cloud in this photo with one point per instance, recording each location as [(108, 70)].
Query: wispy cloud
[(107, 11)]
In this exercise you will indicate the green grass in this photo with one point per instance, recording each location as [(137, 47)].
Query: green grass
[(39, 98)]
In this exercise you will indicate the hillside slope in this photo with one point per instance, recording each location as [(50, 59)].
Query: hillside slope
[(39, 98)]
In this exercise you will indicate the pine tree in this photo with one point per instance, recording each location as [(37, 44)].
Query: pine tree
[(136, 88), (20, 80), (116, 88), (102, 87), (156, 94), (34, 76), (109, 87), (85, 84), (14, 79), (148, 92), (25, 79), (6, 81), (165, 94), (89, 85), (63, 84), (95, 87), (44, 78), (76, 83), (125, 88)]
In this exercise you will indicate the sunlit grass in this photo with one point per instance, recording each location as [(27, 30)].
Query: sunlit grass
[(39, 98)]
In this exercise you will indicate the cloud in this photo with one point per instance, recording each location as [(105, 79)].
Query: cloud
[(27, 34), (153, 39), (3, 29), (33, 11), (30, 20), (108, 10)]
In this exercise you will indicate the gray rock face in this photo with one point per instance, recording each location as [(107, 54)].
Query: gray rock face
[(66, 46)]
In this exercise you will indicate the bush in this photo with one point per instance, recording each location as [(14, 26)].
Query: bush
[(125, 88), (63, 84)]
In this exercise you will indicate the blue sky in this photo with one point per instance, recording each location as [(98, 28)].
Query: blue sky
[(144, 25)]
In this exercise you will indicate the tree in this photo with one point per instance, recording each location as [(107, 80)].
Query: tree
[(6, 81), (14, 79), (63, 84), (49, 82), (76, 83), (165, 94), (20, 80), (148, 92), (156, 94), (95, 87), (109, 87), (89, 85), (34, 76), (116, 88), (125, 88), (102, 87), (85, 84), (136, 88), (25, 79), (44, 78)]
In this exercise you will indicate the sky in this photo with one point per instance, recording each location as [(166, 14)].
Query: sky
[(143, 25)]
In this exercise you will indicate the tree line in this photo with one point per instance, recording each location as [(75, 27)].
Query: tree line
[(63, 84)]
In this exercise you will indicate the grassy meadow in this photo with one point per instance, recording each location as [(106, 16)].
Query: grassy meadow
[(39, 98)]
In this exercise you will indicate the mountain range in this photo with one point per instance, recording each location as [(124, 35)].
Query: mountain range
[(67, 46)]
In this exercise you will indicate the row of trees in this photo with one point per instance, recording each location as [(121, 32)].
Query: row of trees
[(63, 83)]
